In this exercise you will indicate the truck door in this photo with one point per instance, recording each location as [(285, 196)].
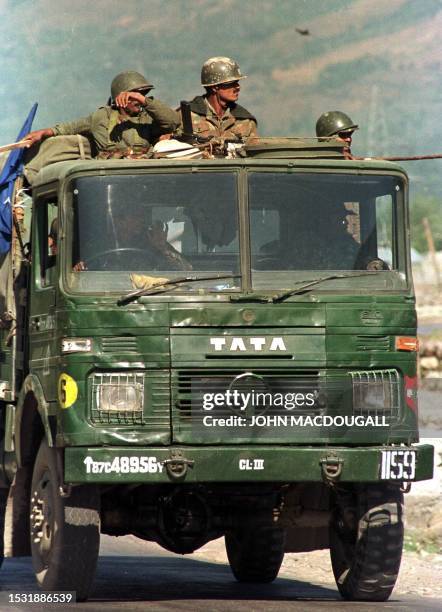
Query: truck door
[(44, 351)]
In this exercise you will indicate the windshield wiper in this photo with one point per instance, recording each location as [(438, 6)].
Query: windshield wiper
[(258, 297), (283, 296), (162, 287)]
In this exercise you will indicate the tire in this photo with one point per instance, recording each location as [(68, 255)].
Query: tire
[(3, 501), (255, 554), (366, 557), (65, 531)]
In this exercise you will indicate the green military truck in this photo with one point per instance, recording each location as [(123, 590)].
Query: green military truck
[(198, 348)]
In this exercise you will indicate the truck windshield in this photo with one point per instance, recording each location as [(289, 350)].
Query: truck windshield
[(316, 222), (129, 228)]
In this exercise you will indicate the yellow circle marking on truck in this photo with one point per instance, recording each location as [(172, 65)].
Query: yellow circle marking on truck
[(67, 390)]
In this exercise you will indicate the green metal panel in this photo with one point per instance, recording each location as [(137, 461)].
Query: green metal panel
[(371, 316), (249, 315), (224, 464), (304, 347), (62, 170)]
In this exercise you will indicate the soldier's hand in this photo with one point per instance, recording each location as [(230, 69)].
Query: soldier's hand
[(126, 97), (80, 267), (38, 135)]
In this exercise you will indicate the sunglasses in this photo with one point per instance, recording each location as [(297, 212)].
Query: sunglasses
[(345, 135), (230, 85)]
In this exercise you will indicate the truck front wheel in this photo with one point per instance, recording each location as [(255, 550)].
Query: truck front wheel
[(3, 502), (366, 539), (255, 553), (65, 531)]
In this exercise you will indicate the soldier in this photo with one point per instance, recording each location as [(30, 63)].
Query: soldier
[(336, 124), (53, 237), (217, 113), (137, 248), (129, 125)]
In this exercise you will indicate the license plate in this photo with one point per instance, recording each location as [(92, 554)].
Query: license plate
[(398, 465)]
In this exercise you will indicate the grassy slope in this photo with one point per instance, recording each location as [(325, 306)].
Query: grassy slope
[(379, 60)]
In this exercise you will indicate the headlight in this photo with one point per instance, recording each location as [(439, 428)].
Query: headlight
[(118, 393), (375, 391)]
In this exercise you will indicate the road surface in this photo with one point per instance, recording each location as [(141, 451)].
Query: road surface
[(133, 575)]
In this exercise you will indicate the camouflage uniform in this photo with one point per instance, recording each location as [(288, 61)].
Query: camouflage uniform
[(236, 121), (312, 252), (116, 134)]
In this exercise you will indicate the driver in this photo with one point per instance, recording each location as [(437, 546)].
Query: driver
[(143, 246), (327, 241), (314, 241)]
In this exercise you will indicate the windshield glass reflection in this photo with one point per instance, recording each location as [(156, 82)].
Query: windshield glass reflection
[(305, 222), (154, 225)]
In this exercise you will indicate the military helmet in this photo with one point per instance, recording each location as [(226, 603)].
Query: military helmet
[(332, 122), (129, 81), (217, 70)]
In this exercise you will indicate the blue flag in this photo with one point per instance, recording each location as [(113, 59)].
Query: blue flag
[(11, 170)]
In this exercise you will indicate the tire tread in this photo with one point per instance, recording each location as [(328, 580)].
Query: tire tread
[(378, 549), (257, 555)]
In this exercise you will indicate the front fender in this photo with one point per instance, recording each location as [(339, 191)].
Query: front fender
[(31, 405)]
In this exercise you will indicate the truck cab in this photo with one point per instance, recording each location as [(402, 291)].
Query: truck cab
[(217, 347)]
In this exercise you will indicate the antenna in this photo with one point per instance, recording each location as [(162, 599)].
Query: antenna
[(378, 136)]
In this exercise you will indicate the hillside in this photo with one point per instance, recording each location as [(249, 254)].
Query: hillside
[(379, 60)]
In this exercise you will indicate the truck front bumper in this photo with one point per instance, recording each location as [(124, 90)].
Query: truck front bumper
[(191, 464)]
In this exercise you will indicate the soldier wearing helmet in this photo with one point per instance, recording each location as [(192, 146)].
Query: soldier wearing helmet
[(336, 124), (217, 113), (129, 125)]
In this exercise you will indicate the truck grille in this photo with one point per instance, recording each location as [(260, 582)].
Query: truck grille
[(365, 392), (342, 405), (191, 385)]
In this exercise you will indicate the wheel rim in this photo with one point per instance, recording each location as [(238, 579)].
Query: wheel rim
[(42, 519)]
